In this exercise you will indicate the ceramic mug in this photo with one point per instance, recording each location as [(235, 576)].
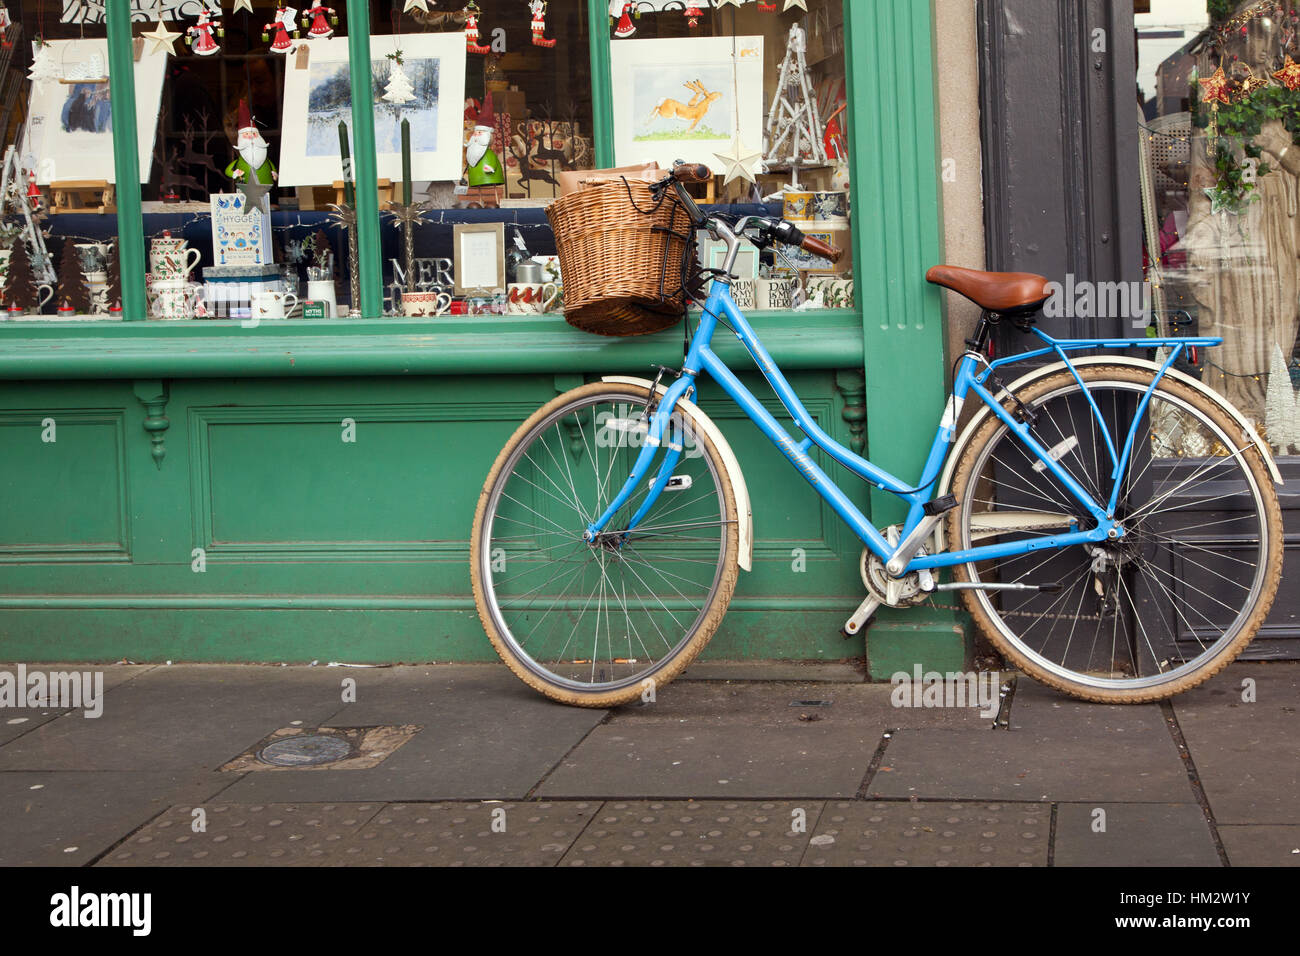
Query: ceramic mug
[(93, 256), (97, 286), (744, 293), (831, 292), (417, 304), (273, 305), (799, 207), (831, 206), (172, 299), (774, 293), (4, 262), (177, 263), (531, 298)]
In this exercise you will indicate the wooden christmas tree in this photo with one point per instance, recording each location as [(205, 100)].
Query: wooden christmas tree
[(72, 289), (20, 284), (1280, 405)]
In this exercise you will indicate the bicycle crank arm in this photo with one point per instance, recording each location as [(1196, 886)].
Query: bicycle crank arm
[(934, 513), (972, 586), (860, 617)]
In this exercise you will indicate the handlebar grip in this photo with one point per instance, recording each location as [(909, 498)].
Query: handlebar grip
[(824, 249), (687, 173)]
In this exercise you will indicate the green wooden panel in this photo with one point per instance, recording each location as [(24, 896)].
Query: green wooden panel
[(65, 498)]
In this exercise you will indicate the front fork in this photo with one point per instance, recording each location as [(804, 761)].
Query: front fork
[(658, 435)]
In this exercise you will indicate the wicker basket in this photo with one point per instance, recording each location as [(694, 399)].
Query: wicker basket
[(621, 255)]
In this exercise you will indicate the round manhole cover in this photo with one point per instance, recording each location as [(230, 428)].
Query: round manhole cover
[(305, 751)]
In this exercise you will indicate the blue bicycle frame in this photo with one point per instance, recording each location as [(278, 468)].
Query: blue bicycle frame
[(973, 374)]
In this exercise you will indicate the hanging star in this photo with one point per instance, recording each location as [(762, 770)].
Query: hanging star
[(732, 3), (254, 192), (416, 5), (1221, 201), (739, 163), (1215, 89), (1289, 75), (792, 4), (163, 39), (243, 5), (1251, 84)]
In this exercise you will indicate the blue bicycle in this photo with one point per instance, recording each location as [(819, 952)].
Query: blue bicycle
[(1110, 523)]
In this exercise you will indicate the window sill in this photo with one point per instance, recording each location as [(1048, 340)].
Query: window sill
[(453, 345)]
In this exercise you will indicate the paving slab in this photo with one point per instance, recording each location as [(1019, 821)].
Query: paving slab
[(833, 672), (913, 833), (1135, 834), (14, 722), (1056, 748), (244, 835), (694, 833), (484, 735), (178, 718), (69, 818), (1247, 753), (482, 834), (1255, 845)]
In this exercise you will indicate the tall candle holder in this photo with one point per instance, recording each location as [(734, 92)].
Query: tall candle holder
[(406, 216), (346, 216)]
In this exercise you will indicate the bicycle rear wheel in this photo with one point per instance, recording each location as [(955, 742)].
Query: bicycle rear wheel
[(1161, 609), (591, 623)]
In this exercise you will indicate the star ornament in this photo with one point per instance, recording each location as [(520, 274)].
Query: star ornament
[(243, 5), (793, 4), (254, 192), (739, 163), (1289, 75), (731, 3), (1215, 89), (422, 5), (163, 39)]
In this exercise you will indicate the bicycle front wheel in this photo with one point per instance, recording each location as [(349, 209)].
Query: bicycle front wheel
[(1170, 603), (593, 624)]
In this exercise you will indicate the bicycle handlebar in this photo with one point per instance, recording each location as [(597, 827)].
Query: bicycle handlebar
[(686, 173)]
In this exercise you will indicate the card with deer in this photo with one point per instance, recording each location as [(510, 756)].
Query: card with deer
[(693, 112)]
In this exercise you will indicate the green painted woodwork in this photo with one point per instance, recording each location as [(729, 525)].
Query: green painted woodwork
[(364, 164), (602, 95), (126, 161), (200, 502)]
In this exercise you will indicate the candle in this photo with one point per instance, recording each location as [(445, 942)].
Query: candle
[(349, 195), (406, 162)]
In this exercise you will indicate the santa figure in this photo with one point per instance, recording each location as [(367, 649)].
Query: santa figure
[(693, 14), (199, 36), (622, 10), (538, 8), (34, 198), (482, 165), (471, 30), (252, 162), (5, 23), (284, 22), (320, 29)]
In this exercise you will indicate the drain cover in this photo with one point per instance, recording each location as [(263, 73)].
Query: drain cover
[(305, 751)]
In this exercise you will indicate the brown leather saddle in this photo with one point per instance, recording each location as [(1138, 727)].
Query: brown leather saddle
[(1010, 294)]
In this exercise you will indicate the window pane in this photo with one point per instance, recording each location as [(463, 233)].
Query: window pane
[(742, 88), (59, 161), (1220, 185)]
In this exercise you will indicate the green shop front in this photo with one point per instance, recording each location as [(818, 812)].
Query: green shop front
[(250, 391)]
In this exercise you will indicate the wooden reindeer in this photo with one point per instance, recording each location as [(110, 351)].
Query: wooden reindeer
[(693, 111)]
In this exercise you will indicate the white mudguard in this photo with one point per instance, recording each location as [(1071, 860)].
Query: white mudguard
[(980, 417), (706, 425)]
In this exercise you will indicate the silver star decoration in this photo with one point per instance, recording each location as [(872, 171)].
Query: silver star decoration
[(792, 4), (254, 192), (416, 5), (732, 3), (243, 5), (163, 39), (739, 163)]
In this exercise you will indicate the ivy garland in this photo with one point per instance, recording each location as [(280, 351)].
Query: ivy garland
[(1237, 125)]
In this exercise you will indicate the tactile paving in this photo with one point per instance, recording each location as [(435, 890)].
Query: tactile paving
[(695, 833), (467, 834), (930, 834), (244, 835)]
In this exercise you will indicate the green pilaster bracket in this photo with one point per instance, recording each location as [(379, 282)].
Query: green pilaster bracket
[(602, 92), (365, 166), (154, 395), (852, 386), (896, 228), (126, 161)]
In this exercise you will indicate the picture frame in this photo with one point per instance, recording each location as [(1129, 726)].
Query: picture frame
[(318, 95), (480, 258), (686, 98), (69, 131), (713, 254)]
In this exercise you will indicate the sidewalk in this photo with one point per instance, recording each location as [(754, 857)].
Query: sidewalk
[(463, 765)]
